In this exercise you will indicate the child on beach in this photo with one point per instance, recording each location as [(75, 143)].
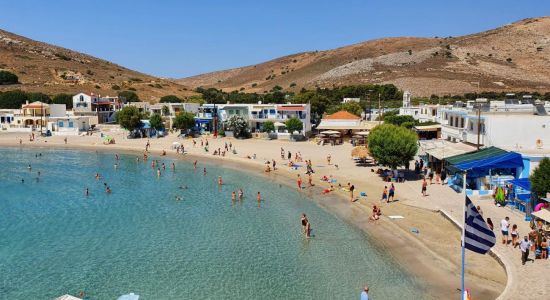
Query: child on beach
[(385, 194)]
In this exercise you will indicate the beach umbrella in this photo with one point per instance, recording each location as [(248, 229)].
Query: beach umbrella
[(328, 132), (360, 152)]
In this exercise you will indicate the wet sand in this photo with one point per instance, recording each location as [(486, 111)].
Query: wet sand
[(432, 255)]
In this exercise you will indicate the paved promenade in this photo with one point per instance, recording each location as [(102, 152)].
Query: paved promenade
[(527, 281)]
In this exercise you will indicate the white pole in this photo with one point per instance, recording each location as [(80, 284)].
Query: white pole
[(463, 233)]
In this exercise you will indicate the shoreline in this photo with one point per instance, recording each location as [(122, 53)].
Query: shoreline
[(430, 270)]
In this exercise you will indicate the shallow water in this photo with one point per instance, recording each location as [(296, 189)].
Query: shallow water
[(140, 238)]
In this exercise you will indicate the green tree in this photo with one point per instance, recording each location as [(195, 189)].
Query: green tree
[(8, 78), (184, 120), (165, 110), (156, 121), (268, 126), (13, 99), (170, 99), (540, 179), (392, 145), (63, 99), (128, 96), (129, 118), (39, 97), (294, 124), (238, 125), (195, 99), (398, 119)]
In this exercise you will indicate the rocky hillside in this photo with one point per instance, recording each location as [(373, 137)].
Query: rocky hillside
[(50, 69), (512, 57)]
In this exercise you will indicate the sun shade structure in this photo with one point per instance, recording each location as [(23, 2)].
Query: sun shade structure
[(523, 183), (543, 214), (485, 159), (330, 132)]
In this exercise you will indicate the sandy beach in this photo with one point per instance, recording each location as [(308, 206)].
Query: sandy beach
[(424, 242)]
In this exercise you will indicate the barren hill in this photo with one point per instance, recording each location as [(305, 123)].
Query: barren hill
[(512, 57), (50, 69)]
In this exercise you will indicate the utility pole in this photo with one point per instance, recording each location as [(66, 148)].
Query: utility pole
[(379, 109), (478, 124)]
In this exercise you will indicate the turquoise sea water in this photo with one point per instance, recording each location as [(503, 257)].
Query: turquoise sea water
[(140, 238)]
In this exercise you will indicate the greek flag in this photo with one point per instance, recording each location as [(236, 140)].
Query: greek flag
[(477, 235)]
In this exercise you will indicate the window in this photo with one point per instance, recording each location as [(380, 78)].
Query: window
[(271, 111), (461, 122), (81, 98), (237, 111), (60, 124), (71, 125)]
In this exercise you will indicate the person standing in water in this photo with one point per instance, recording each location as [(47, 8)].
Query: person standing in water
[(158, 172), (204, 171), (299, 182), (233, 196), (241, 194), (304, 223), (220, 182), (173, 167), (195, 165), (86, 192)]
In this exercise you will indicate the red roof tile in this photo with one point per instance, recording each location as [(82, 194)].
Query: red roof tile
[(342, 115)]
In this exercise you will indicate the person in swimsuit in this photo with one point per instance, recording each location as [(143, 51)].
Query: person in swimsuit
[(241, 194), (515, 235), (424, 187), (304, 223), (385, 194), (233, 196), (86, 192), (299, 182), (391, 194), (220, 182), (204, 171)]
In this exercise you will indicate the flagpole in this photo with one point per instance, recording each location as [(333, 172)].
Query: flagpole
[(463, 297)]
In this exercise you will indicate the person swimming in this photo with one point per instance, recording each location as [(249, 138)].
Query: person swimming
[(86, 192), (97, 176), (241, 194), (108, 190), (183, 187), (233, 196), (204, 171), (29, 167), (158, 172)]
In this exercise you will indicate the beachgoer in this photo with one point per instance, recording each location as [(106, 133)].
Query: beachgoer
[(241, 194), (195, 165), (479, 210), (544, 249), (65, 140), (173, 167), (204, 171), (308, 229), (304, 221), (351, 189), (385, 194), (365, 293), (108, 190), (424, 187), (220, 182), (289, 155), (490, 224), (515, 235), (299, 181), (259, 197), (29, 167), (524, 246), (391, 194), (158, 172), (309, 180), (504, 225), (86, 192), (328, 159), (233, 196)]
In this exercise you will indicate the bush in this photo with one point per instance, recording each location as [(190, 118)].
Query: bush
[(268, 126), (63, 99), (8, 78), (97, 86), (156, 121), (293, 125), (170, 99), (238, 125), (13, 99), (540, 179), (184, 120), (392, 145), (39, 97), (132, 89), (128, 96), (293, 84), (115, 87), (129, 118)]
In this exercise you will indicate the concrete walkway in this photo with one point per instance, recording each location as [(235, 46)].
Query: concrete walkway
[(527, 281)]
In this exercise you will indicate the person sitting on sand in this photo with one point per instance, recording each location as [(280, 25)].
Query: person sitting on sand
[(330, 189), (163, 153), (267, 168), (376, 213), (324, 178)]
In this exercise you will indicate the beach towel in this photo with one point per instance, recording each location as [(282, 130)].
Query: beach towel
[(396, 217)]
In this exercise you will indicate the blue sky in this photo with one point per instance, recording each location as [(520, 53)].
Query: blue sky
[(183, 38)]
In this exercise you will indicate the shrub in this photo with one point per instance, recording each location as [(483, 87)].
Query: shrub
[(129, 118), (293, 84), (13, 99), (39, 97), (156, 121), (8, 78), (238, 125), (293, 125), (115, 87), (132, 89), (170, 99), (268, 126), (128, 96), (540, 179), (184, 120), (63, 99)]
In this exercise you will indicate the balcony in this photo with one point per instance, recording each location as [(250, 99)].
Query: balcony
[(451, 131)]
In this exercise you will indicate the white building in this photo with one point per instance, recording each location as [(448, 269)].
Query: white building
[(257, 115), (510, 126), (172, 109), (422, 112), (346, 100), (90, 104)]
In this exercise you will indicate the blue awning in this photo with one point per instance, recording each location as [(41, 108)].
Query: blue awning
[(523, 183), (498, 161)]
